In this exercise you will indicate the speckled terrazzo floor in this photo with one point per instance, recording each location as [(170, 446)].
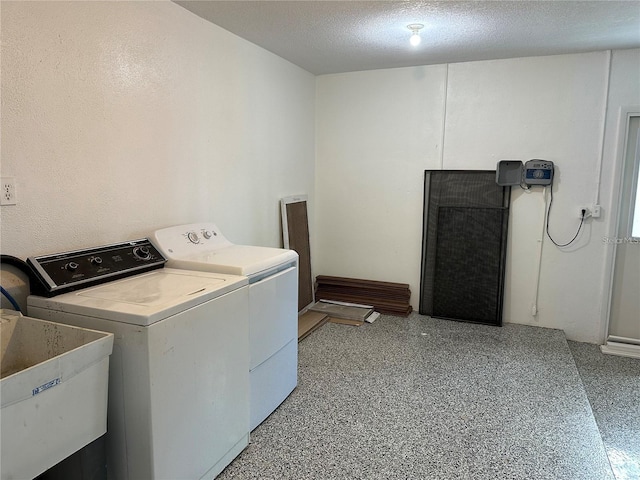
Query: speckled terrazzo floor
[(419, 398), (613, 387)]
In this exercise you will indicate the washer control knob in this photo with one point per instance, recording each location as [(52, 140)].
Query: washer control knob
[(95, 260), (206, 234), (142, 253), (193, 237), (71, 266)]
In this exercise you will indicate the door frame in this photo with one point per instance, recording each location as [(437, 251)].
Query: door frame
[(624, 121)]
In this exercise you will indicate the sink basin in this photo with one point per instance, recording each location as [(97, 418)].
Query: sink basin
[(53, 392)]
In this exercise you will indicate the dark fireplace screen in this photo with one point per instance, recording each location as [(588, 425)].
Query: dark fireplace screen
[(464, 244)]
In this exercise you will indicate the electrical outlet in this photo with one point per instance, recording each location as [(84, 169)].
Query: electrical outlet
[(9, 196), (587, 212), (591, 211)]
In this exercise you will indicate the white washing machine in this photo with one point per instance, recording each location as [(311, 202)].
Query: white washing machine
[(178, 380), (273, 304)]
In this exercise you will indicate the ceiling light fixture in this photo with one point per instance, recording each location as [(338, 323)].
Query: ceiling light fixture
[(415, 33)]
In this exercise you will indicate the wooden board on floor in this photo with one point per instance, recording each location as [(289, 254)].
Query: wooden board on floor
[(310, 321), (346, 321), (342, 311), (385, 297)]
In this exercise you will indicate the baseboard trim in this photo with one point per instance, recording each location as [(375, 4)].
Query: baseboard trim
[(621, 349)]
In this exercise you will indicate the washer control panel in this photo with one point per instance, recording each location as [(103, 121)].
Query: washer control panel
[(63, 272), (200, 234), (182, 240)]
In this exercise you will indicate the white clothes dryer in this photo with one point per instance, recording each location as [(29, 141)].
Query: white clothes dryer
[(178, 381), (273, 304)]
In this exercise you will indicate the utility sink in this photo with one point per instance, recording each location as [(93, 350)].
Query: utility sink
[(53, 392)]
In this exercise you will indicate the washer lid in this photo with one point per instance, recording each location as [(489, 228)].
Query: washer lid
[(235, 259), (144, 299), (152, 290), (202, 246)]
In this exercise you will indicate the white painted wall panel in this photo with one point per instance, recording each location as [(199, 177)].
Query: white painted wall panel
[(541, 107), (120, 118), (550, 108), (376, 134)]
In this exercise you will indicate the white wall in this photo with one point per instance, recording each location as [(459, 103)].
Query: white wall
[(119, 118), (550, 108), (376, 133), (541, 107), (122, 117)]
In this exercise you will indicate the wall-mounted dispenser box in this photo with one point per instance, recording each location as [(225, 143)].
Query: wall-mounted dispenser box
[(509, 172)]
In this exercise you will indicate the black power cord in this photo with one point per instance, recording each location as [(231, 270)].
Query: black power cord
[(579, 227)]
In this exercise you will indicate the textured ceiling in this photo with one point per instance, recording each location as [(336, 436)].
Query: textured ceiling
[(342, 36)]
